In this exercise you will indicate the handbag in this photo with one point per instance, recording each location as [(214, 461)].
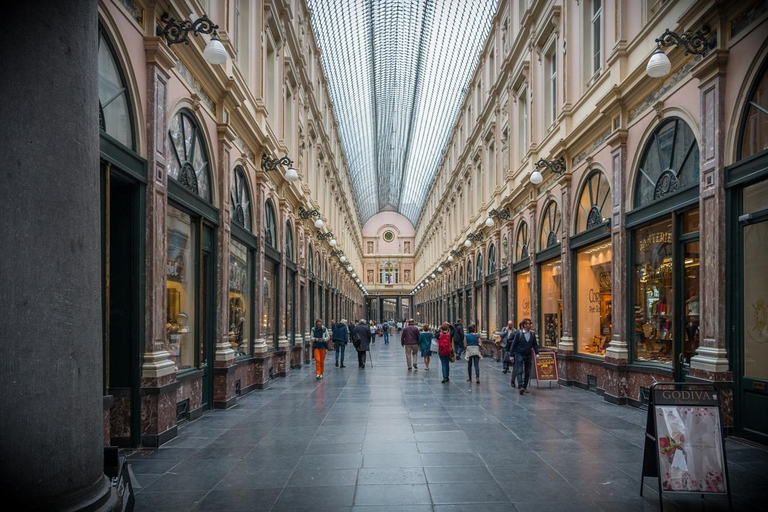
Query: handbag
[(453, 356), (433, 345)]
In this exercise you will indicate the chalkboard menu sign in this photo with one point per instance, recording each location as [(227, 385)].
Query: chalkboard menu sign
[(684, 444)]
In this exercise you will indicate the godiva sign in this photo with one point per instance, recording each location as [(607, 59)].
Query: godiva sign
[(659, 237)]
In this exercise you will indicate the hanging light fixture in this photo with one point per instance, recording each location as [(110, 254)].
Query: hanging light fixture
[(489, 222), (178, 32), (467, 243), (319, 223), (658, 65), (450, 258), (332, 242), (343, 259), (694, 43)]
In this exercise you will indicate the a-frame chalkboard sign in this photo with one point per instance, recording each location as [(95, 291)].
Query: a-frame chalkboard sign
[(684, 442)]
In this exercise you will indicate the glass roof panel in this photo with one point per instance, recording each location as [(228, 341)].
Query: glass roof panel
[(397, 73)]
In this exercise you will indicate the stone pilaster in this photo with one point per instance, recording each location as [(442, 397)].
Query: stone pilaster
[(566, 340), (617, 352), (533, 235), (711, 359)]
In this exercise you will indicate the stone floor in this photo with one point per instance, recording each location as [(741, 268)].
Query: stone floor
[(384, 438)]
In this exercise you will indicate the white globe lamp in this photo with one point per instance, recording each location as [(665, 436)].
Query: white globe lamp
[(489, 222), (536, 177), (333, 242), (467, 243), (214, 52), (343, 259), (450, 258), (658, 65), (291, 174), (319, 223)]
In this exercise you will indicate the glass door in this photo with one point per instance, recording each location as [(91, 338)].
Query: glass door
[(753, 398), (207, 311)]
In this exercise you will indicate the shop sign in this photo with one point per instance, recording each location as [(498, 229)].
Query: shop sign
[(684, 445), (546, 368), (659, 237)]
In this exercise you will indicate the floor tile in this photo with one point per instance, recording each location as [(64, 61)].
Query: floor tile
[(389, 495)]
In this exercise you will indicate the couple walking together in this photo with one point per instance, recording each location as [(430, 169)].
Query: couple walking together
[(519, 345), (342, 333)]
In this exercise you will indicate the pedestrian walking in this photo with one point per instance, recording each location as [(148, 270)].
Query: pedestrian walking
[(444, 351), (340, 338), (362, 342), (373, 331), (425, 345), (458, 338), (385, 331), (472, 355), (320, 339), (410, 341), (523, 347), (507, 335)]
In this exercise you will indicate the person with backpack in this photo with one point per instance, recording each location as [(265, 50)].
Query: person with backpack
[(472, 346), (507, 335), (385, 331), (458, 338), (425, 345), (340, 339), (444, 351), (320, 339), (523, 346)]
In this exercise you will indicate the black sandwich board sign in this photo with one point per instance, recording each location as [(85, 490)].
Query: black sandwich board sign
[(684, 442)]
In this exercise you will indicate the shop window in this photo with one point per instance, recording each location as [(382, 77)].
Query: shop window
[(310, 262), (551, 303), (594, 301), (240, 197), (269, 300), (654, 293), (188, 162), (290, 298), (115, 117), (240, 297), (670, 163), (755, 129), (469, 272), (521, 245), (491, 259), (270, 226), (181, 288), (691, 282), (479, 266), (460, 277), (550, 226), (523, 295), (594, 206)]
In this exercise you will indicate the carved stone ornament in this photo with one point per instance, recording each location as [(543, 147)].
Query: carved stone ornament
[(666, 184)]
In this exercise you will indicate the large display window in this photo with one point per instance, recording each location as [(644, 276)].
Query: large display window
[(181, 288), (551, 325), (522, 296), (594, 304), (240, 297), (269, 301), (654, 305)]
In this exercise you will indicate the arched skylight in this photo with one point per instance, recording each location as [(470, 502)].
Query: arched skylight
[(397, 73)]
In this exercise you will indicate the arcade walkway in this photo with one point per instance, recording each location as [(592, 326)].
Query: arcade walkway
[(384, 438)]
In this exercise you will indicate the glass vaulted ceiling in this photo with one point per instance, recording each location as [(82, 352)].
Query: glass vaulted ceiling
[(397, 72)]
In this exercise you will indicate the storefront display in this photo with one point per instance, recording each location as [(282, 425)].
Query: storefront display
[(551, 325), (181, 288), (594, 304), (240, 298), (269, 302), (654, 293), (523, 296)]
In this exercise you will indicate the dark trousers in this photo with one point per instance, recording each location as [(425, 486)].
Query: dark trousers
[(445, 362), (523, 364), (505, 358), (340, 348), (476, 361), (361, 355)]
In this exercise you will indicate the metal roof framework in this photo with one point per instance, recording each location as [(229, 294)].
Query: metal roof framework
[(397, 72)]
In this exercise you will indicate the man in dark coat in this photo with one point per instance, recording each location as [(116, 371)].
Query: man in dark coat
[(340, 338), (458, 338), (523, 347), (362, 342)]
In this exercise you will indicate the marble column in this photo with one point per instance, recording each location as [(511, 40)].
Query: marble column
[(158, 372), (533, 236), (51, 446), (566, 340), (261, 354), (224, 357)]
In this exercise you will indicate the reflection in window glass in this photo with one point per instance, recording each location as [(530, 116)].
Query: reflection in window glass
[(691, 301), (755, 304), (188, 161), (290, 322), (114, 112), (240, 297), (551, 326), (269, 301), (594, 304), (654, 293), (181, 288), (755, 135)]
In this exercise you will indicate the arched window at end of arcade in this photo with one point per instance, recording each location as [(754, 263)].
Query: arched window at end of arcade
[(479, 266), (670, 163), (594, 206), (289, 251), (522, 241), (240, 196), (491, 259), (188, 161), (270, 225), (115, 117), (549, 233)]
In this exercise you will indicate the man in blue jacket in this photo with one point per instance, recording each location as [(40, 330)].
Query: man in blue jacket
[(340, 338), (523, 347)]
